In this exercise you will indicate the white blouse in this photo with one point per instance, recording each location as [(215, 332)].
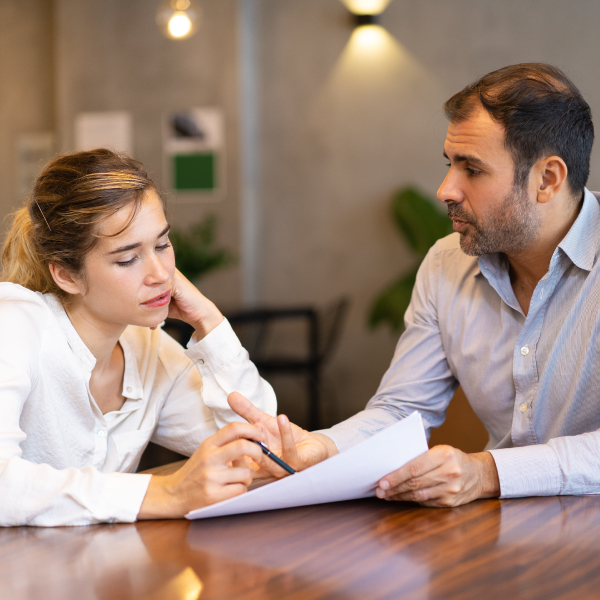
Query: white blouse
[(62, 462)]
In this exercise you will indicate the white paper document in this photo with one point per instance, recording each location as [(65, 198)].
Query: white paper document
[(346, 476)]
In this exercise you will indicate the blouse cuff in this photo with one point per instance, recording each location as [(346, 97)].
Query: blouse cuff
[(528, 471), (214, 350), (122, 497)]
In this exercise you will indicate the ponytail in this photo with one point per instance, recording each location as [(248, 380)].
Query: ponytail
[(22, 259)]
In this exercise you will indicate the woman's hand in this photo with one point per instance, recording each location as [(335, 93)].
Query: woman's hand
[(188, 304), (296, 446), (207, 476)]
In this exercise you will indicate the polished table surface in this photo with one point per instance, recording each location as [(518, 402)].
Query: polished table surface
[(368, 549)]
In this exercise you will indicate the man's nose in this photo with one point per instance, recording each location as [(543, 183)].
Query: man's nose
[(448, 192)]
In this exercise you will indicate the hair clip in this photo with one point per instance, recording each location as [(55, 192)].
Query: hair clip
[(42, 213)]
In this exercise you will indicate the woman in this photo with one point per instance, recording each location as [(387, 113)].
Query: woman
[(87, 377)]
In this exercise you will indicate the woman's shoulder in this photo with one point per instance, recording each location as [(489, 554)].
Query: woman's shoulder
[(15, 298)]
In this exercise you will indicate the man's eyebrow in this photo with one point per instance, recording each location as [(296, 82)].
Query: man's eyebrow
[(468, 158), (138, 244)]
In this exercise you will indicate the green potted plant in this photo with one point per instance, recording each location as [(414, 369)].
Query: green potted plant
[(421, 224), (195, 254)]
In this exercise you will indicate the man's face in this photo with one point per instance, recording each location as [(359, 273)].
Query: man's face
[(489, 212)]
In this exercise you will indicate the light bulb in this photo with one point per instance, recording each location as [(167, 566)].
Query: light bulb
[(179, 25), (366, 7), (178, 19)]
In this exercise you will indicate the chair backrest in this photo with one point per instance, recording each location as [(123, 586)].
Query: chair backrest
[(331, 322)]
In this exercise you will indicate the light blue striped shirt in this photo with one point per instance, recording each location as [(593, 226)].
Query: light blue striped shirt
[(534, 381)]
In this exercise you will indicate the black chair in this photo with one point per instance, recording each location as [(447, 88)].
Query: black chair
[(323, 328)]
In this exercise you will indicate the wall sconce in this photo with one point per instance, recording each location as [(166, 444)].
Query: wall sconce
[(366, 12), (178, 19)]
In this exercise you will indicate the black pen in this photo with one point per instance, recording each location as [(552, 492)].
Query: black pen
[(274, 457)]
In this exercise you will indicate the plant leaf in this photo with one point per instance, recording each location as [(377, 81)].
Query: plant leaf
[(418, 220), (389, 306)]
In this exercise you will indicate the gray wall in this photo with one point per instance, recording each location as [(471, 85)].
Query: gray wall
[(340, 129), (26, 84)]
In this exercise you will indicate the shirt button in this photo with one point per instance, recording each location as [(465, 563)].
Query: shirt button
[(201, 361), (101, 433), (129, 389), (523, 407), (524, 350)]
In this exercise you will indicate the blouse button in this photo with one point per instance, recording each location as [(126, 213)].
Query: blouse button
[(523, 407), (101, 433), (201, 361), (524, 350), (129, 390)]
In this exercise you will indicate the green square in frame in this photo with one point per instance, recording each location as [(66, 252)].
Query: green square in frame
[(196, 171)]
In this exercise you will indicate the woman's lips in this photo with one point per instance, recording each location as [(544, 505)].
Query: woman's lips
[(158, 301)]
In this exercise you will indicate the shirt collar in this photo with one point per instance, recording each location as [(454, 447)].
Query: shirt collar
[(581, 244), (75, 342)]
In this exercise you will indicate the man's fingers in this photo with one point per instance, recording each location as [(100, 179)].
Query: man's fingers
[(289, 453), (243, 407), (416, 468)]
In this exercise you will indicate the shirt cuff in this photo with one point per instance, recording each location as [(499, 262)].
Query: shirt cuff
[(528, 471), (215, 349), (122, 497)]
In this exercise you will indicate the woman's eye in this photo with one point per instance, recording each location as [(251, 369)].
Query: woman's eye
[(125, 263), (164, 246)]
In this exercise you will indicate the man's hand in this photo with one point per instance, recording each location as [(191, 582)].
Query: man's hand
[(297, 447), (443, 476)]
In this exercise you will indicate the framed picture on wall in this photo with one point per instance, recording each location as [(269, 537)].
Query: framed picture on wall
[(194, 153)]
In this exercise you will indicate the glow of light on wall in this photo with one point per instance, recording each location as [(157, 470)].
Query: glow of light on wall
[(366, 7), (370, 39)]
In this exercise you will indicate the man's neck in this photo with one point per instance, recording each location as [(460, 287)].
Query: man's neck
[(530, 265)]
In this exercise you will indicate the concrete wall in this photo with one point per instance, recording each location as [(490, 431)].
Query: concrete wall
[(344, 127), (341, 126), (110, 55), (26, 84)]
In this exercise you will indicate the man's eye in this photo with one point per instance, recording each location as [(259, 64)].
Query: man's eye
[(472, 172), (448, 165)]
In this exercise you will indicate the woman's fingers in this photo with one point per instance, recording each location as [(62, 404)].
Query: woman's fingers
[(243, 407), (235, 431)]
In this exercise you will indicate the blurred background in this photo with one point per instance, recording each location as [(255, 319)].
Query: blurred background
[(311, 126)]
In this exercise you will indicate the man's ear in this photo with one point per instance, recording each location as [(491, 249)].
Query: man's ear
[(550, 175), (65, 281)]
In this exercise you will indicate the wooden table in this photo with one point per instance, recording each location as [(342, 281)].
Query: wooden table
[(365, 549)]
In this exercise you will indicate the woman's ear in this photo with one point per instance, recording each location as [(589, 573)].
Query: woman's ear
[(552, 176), (65, 281)]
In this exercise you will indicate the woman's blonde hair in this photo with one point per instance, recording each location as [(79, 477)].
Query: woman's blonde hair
[(58, 224)]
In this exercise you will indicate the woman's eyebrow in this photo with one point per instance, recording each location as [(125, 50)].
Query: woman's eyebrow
[(138, 244)]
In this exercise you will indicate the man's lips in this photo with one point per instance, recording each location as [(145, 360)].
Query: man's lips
[(157, 301), (459, 225)]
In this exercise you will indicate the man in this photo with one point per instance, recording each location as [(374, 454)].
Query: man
[(509, 307)]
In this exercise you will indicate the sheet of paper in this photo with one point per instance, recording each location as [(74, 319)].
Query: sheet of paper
[(346, 476)]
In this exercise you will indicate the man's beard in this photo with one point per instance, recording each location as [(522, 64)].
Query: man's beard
[(514, 227)]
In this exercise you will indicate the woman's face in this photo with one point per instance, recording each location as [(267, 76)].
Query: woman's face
[(128, 277)]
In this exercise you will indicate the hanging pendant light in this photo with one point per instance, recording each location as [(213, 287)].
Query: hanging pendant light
[(178, 19)]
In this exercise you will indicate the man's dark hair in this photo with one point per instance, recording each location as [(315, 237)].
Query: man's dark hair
[(542, 113)]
